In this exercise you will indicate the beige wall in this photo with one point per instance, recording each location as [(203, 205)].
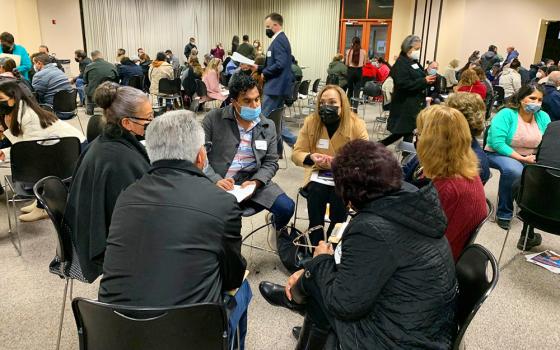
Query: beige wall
[(64, 37), (469, 25), (20, 18)]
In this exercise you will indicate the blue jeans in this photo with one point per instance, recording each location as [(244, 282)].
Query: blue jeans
[(80, 89), (510, 172), (237, 307), (282, 210)]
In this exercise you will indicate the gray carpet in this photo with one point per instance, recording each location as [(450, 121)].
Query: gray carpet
[(522, 313)]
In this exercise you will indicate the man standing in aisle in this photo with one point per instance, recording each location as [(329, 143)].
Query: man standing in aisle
[(277, 72), (188, 48)]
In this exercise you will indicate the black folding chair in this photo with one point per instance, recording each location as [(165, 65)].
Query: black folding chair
[(500, 95), (475, 233), (52, 193), (136, 81), (170, 90), (332, 79), (475, 285), (65, 105), (370, 90), (277, 116), (104, 326), (30, 162), (538, 201), (303, 94), (94, 127), (290, 102)]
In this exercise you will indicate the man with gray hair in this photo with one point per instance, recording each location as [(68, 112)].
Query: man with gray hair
[(551, 100), (175, 238)]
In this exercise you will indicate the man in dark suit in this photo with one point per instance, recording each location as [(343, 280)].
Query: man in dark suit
[(188, 48), (277, 72)]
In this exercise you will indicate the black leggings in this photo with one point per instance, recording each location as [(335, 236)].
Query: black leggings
[(319, 196), (354, 81), (395, 137)]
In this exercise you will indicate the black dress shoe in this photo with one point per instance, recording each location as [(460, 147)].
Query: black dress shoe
[(275, 295), (296, 331)]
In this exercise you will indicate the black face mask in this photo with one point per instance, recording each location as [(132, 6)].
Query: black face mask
[(329, 114), (269, 33), (77, 60), (5, 109), (7, 49)]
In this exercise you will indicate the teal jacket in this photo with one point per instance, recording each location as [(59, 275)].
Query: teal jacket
[(25, 64), (503, 127)]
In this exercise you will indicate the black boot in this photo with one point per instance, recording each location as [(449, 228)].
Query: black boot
[(311, 337), (275, 295), (533, 240)]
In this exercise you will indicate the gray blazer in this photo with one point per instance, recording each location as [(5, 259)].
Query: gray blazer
[(221, 129)]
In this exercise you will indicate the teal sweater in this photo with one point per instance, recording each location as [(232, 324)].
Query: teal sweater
[(504, 126)]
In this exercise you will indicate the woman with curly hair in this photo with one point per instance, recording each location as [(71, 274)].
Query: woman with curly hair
[(447, 159), (390, 282)]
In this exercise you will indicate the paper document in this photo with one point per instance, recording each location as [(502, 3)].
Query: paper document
[(237, 57), (242, 193), (547, 259), (324, 177)]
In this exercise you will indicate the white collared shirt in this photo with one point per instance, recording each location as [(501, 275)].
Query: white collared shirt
[(274, 36)]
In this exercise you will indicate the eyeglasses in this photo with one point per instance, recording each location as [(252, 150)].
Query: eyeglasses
[(208, 146)]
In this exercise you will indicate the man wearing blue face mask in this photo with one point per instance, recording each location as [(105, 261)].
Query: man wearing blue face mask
[(244, 151), (434, 91)]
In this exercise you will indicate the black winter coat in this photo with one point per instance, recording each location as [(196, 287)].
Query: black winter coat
[(409, 96), (126, 71), (108, 166), (395, 286), (175, 239)]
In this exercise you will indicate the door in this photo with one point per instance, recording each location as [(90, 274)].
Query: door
[(375, 36), (377, 44)]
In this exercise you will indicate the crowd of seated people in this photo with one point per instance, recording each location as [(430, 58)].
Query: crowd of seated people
[(390, 257)]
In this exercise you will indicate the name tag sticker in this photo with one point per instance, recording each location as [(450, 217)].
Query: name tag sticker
[(323, 144), (261, 145), (269, 54), (415, 66)]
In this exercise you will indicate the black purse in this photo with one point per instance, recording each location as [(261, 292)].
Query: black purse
[(294, 247)]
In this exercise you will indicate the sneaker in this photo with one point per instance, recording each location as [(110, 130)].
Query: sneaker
[(29, 208), (532, 242), (36, 215), (503, 223)]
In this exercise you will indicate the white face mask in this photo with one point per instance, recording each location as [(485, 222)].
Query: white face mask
[(36, 67), (415, 55), (539, 75)]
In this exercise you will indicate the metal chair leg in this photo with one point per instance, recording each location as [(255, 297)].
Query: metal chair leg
[(71, 288), (14, 233), (62, 314), (503, 247), (80, 122)]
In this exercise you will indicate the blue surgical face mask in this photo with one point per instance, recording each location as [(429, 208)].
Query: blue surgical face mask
[(532, 107), (250, 114), (432, 71)]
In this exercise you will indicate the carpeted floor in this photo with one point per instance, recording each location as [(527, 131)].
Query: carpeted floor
[(523, 312)]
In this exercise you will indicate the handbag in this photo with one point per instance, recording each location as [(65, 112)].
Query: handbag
[(294, 247)]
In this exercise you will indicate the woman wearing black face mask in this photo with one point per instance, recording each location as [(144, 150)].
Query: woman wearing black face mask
[(113, 161), (24, 120), (323, 134)]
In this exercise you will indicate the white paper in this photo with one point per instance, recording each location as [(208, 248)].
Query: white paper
[(530, 258), (321, 178), (237, 57), (242, 193), (415, 66)]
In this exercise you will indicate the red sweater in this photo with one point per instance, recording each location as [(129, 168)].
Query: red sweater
[(369, 70), (382, 73), (476, 88), (464, 204)]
